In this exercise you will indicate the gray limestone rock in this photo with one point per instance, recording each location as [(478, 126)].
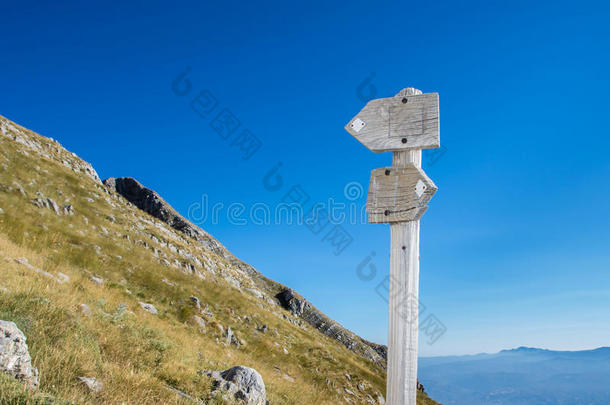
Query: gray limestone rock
[(93, 384), (243, 383), (149, 308), (14, 355)]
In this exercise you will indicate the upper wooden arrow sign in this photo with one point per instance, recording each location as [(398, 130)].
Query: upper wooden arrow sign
[(398, 123), (398, 194)]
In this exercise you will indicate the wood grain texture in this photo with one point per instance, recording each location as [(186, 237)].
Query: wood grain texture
[(398, 194), (406, 121), (403, 314), (403, 302)]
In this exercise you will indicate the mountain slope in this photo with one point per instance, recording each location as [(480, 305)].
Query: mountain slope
[(78, 261), (150, 202), (520, 376)]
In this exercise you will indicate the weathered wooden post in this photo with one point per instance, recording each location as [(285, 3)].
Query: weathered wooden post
[(404, 124)]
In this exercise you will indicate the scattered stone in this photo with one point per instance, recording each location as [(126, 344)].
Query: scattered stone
[(84, 309), (68, 209), (24, 262), (53, 205), (348, 391), (361, 387), (19, 188), (97, 280), (1, 211), (93, 384), (206, 311), (49, 203), (14, 355), (243, 383), (149, 308), (263, 329), (39, 202), (229, 335), (62, 278), (168, 282), (199, 322), (288, 378), (196, 302)]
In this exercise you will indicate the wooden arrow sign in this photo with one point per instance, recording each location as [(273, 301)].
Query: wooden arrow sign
[(398, 123), (403, 124), (398, 194)]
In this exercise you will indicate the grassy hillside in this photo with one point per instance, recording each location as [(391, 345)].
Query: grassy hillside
[(49, 258)]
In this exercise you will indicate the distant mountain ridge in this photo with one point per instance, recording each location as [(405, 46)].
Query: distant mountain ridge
[(520, 376)]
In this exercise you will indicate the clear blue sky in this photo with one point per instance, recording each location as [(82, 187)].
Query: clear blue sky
[(515, 245)]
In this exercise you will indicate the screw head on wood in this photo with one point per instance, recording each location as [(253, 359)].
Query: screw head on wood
[(386, 212), (387, 172), (404, 140), (405, 100)]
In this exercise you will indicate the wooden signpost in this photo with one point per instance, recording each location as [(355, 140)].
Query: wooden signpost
[(404, 124)]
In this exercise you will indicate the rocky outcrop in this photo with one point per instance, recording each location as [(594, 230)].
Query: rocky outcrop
[(14, 355), (299, 306), (242, 383), (149, 201), (152, 203), (420, 387), (295, 305), (46, 147)]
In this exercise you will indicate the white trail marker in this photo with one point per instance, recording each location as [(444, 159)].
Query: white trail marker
[(404, 124)]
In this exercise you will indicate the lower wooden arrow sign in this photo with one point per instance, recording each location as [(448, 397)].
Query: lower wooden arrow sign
[(398, 194)]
